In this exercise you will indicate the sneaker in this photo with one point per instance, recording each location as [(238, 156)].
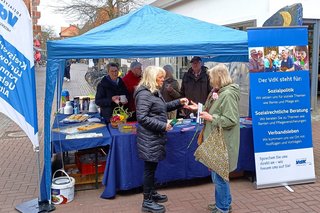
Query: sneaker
[(215, 210), (212, 207), (68, 79)]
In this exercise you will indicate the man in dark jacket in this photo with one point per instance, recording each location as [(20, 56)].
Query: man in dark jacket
[(195, 83), (109, 90)]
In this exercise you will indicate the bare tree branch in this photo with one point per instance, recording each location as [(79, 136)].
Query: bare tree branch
[(87, 12)]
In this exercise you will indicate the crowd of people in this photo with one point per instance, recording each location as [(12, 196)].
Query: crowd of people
[(155, 96), (293, 59), (195, 86)]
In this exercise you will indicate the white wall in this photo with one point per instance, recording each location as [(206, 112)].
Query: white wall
[(224, 12), (221, 12)]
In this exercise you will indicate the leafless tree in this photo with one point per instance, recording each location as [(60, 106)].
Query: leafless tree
[(87, 12), (47, 33)]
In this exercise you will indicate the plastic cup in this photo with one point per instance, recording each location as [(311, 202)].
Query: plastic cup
[(123, 99)]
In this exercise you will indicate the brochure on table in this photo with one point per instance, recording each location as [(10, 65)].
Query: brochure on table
[(280, 106)]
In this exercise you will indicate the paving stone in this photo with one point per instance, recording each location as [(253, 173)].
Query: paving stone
[(18, 175)]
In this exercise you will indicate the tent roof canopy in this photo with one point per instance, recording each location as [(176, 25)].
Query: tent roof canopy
[(145, 33), (153, 32)]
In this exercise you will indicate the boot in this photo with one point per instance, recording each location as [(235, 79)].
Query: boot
[(158, 198), (149, 205)]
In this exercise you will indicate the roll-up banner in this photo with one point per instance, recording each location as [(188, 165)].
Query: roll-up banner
[(17, 77), (280, 105)]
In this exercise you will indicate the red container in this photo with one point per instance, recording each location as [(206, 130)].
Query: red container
[(86, 163)]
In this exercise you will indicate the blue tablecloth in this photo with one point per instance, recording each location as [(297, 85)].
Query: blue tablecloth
[(246, 151), (61, 144), (124, 170)]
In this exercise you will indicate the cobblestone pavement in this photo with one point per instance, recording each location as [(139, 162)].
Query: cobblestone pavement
[(18, 176)]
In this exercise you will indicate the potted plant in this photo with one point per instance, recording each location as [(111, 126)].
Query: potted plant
[(119, 116)]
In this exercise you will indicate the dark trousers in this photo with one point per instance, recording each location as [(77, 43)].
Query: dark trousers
[(148, 176), (67, 72)]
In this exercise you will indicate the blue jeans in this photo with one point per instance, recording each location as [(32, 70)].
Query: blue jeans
[(222, 192)]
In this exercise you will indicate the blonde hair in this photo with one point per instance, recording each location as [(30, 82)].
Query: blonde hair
[(149, 78), (219, 76)]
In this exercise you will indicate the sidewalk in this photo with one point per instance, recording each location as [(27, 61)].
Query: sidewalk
[(18, 176)]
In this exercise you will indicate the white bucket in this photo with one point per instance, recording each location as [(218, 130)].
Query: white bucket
[(62, 188)]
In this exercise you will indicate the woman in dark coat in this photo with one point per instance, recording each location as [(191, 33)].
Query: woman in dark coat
[(109, 90), (170, 89), (151, 111)]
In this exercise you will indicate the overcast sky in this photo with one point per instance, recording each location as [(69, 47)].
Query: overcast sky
[(54, 19), (50, 18)]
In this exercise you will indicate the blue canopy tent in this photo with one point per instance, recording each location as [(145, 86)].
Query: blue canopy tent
[(144, 33)]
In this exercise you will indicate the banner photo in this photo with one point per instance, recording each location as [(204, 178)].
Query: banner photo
[(17, 74), (280, 106)]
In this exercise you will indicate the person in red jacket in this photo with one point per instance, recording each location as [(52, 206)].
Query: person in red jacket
[(131, 80)]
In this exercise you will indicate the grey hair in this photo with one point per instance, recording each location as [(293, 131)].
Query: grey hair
[(168, 68), (219, 76), (135, 64)]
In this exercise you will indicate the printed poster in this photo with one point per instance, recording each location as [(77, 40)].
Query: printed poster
[(280, 105)]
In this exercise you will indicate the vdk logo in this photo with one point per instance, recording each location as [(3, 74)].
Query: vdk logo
[(8, 16), (302, 162)]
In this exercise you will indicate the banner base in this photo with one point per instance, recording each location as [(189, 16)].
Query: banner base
[(35, 206), (288, 183)]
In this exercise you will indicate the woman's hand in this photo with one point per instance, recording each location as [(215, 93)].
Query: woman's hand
[(206, 116), (116, 99), (168, 127), (193, 106), (184, 101)]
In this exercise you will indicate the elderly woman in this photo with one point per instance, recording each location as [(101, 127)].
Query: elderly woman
[(222, 109), (151, 132), (170, 89), (109, 90)]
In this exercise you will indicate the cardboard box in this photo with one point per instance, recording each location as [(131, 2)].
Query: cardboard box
[(80, 179)]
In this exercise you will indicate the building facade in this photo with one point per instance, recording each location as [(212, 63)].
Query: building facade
[(67, 32), (35, 15), (250, 13)]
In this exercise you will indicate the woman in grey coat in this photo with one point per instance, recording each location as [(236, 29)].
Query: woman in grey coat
[(151, 111)]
